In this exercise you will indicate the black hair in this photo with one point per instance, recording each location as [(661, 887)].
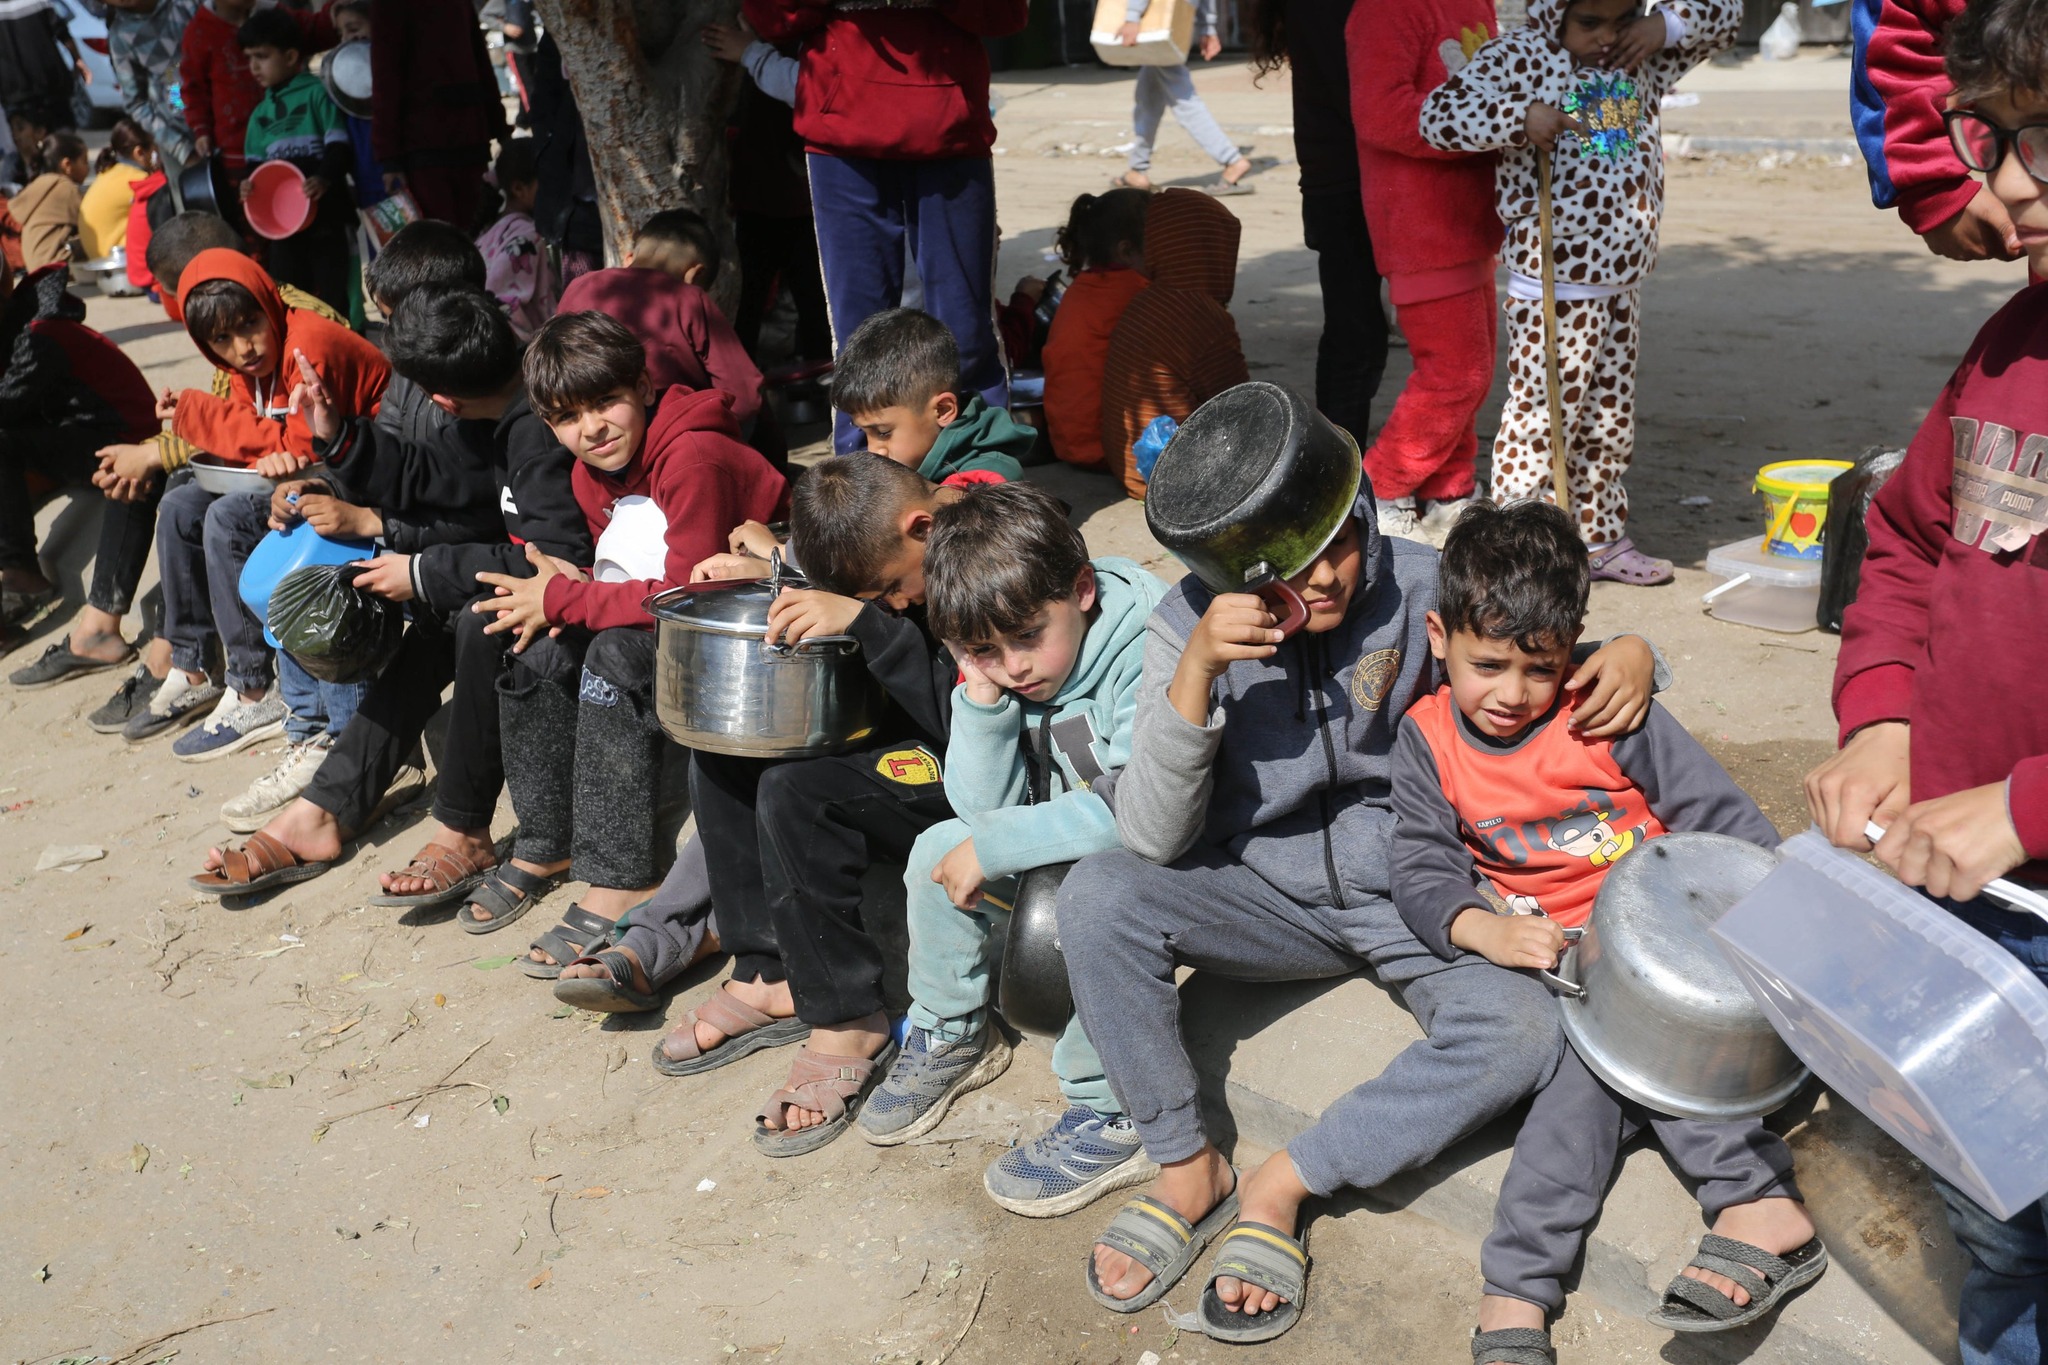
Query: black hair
[(1996, 46), (58, 148), (1267, 36), (125, 139), (273, 27), (424, 253), (217, 306), (517, 163), (1099, 225), (1518, 572), (673, 241), (842, 519), (455, 342), (897, 358), (995, 557), (339, 7), (576, 359), (183, 236)]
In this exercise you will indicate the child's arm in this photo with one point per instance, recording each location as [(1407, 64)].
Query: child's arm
[(1898, 92), (1434, 878), (1385, 52), (1483, 107), (696, 506), (1162, 795), (985, 768), (230, 429), (1685, 787)]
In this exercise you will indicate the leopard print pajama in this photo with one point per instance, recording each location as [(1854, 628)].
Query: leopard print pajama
[(1597, 341)]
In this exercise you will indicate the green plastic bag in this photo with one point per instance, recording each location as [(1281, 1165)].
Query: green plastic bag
[(335, 630)]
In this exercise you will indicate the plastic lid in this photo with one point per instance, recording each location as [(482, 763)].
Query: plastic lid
[(1750, 557)]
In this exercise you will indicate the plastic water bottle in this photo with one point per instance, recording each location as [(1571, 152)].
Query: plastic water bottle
[(1780, 42)]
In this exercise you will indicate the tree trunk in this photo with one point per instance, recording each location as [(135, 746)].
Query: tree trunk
[(654, 103)]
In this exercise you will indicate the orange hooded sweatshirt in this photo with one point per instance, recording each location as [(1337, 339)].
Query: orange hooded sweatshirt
[(1176, 346), (1075, 348), (251, 421)]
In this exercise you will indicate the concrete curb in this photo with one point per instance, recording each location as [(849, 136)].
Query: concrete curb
[(1685, 144)]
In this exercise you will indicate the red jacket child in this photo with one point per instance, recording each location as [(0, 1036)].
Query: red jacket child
[(688, 340), (214, 79), (1434, 235), (667, 510), (252, 420)]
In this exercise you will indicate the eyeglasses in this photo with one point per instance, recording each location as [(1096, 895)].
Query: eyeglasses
[(1981, 144)]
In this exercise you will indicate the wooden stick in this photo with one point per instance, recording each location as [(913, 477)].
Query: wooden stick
[(135, 1351), (1559, 484)]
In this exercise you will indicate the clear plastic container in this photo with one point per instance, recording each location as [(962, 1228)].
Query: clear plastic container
[(1938, 1035), (1776, 593)]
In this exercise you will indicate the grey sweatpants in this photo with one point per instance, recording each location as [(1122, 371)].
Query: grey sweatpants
[(666, 933), (1126, 924), (1564, 1159)]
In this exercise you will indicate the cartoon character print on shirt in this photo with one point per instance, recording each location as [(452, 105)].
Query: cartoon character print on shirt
[(1591, 835), (1584, 831), (2000, 488), (1455, 52)]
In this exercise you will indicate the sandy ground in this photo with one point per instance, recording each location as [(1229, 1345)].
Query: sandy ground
[(329, 1133)]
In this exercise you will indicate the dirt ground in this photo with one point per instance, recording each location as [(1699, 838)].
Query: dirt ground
[(310, 1130)]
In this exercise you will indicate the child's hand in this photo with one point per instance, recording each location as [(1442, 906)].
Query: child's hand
[(202, 147), (245, 190), (1236, 626), (315, 187), (798, 614), (568, 570), (727, 42), (309, 399), (1865, 783), (1619, 678), (1127, 36), (335, 519), (1544, 124), (1955, 844), (960, 873), (1209, 47), (167, 405), (284, 500), (521, 603), (752, 538), (386, 576), (1508, 940), (281, 464), (724, 568), (980, 690), (1640, 41)]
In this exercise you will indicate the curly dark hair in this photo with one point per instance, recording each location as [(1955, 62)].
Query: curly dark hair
[(1998, 46)]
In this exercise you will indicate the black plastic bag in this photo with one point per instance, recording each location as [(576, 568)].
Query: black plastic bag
[(335, 630), (1845, 538)]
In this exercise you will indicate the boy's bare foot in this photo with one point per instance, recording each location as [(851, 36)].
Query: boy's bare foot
[(1273, 1195), (640, 981), (309, 832), (98, 639), (474, 845), (1135, 180), (1775, 1225), (857, 1038), (1191, 1187), (1237, 170), (771, 998), (484, 916)]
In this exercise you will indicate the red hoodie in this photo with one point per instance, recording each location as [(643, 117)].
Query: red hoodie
[(1946, 630), (701, 481), (1429, 212), (687, 340), (893, 82), (247, 424)]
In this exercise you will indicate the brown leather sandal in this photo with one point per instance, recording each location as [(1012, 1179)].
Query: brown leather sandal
[(453, 875), (834, 1086), (746, 1031), (258, 865)]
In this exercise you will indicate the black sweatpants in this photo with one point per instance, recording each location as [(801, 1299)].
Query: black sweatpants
[(582, 753), (67, 456), (316, 258), (1352, 352), (385, 730), (791, 840), (782, 249)]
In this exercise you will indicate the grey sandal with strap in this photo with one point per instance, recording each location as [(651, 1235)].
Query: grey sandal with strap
[(834, 1086), (1513, 1346), (1692, 1305), (507, 893), (612, 993), (1157, 1238), (746, 1031), (579, 932), (1267, 1259)]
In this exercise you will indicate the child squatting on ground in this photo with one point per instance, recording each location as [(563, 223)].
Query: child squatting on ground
[(1487, 758), (1517, 96), (1050, 649)]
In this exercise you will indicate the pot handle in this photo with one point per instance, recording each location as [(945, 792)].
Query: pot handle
[(1286, 604), (1558, 983), (816, 644)]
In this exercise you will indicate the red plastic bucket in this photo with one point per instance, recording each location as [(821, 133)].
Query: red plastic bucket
[(277, 205)]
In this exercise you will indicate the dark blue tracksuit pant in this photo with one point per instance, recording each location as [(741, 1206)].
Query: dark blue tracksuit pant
[(946, 210)]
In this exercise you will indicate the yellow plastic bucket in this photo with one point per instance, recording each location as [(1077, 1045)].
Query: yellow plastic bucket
[(1796, 504)]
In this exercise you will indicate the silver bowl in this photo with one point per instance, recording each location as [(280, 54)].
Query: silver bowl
[(218, 477)]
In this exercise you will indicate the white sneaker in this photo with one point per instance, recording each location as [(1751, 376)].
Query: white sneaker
[(1439, 516), (276, 789), (1397, 517), (178, 699)]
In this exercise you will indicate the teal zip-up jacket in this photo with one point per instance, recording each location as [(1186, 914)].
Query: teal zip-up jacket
[(1086, 727), (981, 438)]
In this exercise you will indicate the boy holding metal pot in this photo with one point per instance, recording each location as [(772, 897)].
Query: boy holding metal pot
[(1256, 817), (1501, 801)]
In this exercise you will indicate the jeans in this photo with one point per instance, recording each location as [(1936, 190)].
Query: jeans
[(70, 455), (1351, 354), (2003, 1317), (202, 541), (1159, 86), (317, 708)]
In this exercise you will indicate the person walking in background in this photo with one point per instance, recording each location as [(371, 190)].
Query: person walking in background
[(142, 47), (434, 109), (1159, 86)]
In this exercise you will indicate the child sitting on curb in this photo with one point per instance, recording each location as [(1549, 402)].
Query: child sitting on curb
[(1049, 644), (897, 380), (1494, 747)]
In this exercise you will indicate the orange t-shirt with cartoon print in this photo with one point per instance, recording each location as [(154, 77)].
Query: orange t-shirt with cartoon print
[(1545, 815)]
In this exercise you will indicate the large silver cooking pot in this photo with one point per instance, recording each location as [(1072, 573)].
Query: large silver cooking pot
[(1650, 1002), (718, 685)]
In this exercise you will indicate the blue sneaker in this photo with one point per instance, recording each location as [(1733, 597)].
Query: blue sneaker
[(926, 1079), (234, 726), (1069, 1166)]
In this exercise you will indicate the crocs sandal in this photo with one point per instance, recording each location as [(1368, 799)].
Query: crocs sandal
[(579, 932), (834, 1086), (454, 876), (58, 664), (508, 892), (1513, 1346), (1160, 1240), (609, 994), (258, 865), (746, 1031), (1622, 562), (1264, 1257), (1694, 1306)]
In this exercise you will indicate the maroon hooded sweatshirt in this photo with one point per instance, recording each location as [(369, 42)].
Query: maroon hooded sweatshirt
[(688, 341), (692, 466)]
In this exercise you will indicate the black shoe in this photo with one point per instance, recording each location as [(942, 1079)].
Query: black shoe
[(59, 663), (126, 704)]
